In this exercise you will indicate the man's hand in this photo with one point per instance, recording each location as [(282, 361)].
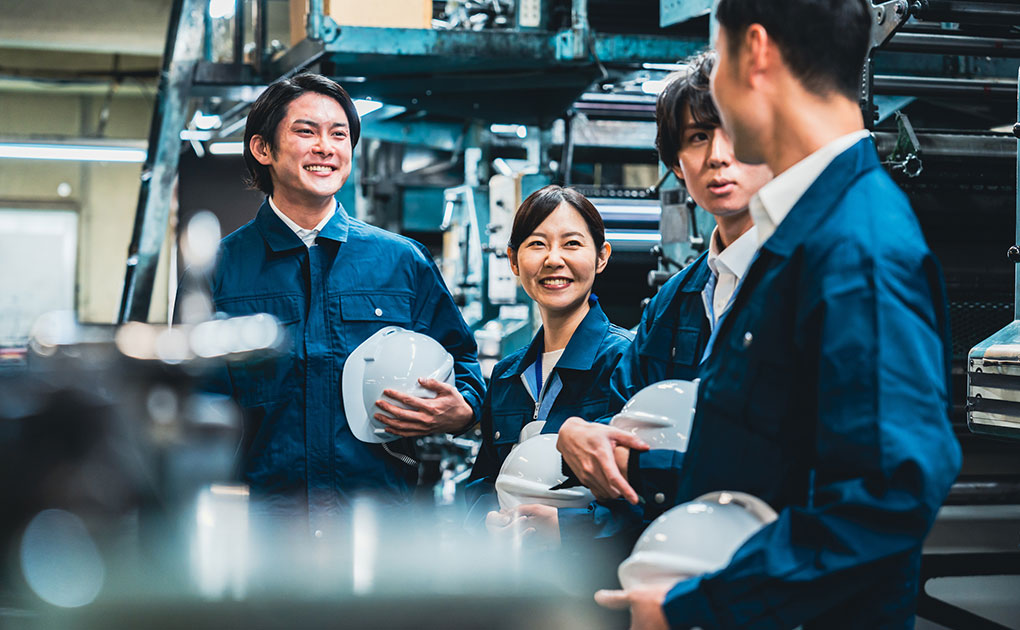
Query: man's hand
[(527, 523), (645, 605), (598, 455), (448, 412)]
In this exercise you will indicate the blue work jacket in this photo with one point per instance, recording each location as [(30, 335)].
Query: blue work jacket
[(825, 393), (671, 338), (577, 386), (297, 449)]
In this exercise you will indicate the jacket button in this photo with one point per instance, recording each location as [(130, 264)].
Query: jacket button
[(378, 312), (318, 533), (748, 339), (660, 498), (496, 435)]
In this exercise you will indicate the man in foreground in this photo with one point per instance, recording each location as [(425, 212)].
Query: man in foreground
[(825, 389)]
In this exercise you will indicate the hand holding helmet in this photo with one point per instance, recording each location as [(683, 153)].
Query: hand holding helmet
[(407, 367)]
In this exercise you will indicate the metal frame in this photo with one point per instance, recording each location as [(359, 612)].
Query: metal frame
[(180, 58)]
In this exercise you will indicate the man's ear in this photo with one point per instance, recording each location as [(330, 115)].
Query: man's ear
[(679, 173), (756, 51), (260, 150)]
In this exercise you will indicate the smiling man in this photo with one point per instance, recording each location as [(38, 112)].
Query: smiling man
[(333, 281)]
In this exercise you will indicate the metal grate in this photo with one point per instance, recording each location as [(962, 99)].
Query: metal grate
[(973, 321)]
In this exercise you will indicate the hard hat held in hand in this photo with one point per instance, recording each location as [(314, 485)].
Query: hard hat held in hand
[(694, 538), (392, 358), (528, 473), (660, 414)]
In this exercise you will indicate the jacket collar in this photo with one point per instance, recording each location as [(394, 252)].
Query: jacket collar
[(280, 238), (698, 275), (814, 206), (581, 350)]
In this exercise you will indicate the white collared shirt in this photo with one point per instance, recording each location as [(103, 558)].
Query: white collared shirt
[(728, 267), (775, 199), (307, 236)]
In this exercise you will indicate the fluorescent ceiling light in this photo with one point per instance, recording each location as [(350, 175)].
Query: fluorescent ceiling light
[(514, 130), (366, 106), (226, 148), (221, 9), (665, 67), (72, 152), (206, 121), (653, 86), (634, 237), (193, 134)]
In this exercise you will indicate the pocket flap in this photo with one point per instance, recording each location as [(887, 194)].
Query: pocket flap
[(392, 309)]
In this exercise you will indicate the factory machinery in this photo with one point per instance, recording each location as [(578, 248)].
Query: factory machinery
[(497, 99)]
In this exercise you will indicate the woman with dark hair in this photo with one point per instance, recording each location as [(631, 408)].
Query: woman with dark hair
[(557, 247)]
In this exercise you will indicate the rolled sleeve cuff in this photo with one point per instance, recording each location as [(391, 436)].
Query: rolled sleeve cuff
[(687, 607)]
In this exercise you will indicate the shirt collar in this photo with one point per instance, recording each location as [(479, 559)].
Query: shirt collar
[(736, 258), (581, 350), (307, 236), (770, 205)]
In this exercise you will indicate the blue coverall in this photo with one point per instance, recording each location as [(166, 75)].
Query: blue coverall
[(577, 386), (297, 451), (825, 393)]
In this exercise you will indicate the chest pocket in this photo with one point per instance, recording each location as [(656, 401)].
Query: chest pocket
[(263, 380), (364, 314), (506, 429), (672, 353)]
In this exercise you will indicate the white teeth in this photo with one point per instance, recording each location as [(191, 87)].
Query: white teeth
[(556, 282), (319, 169)]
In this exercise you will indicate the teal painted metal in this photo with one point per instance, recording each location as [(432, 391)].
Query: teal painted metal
[(434, 135), (424, 49), (423, 209), (678, 11)]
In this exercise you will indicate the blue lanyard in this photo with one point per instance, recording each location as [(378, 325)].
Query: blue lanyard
[(538, 374)]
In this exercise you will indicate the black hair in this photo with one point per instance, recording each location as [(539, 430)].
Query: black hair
[(541, 203), (271, 107), (688, 88), (824, 42)]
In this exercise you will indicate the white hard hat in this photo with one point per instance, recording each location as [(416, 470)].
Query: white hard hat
[(694, 538), (392, 358), (530, 430), (660, 414), (529, 472)]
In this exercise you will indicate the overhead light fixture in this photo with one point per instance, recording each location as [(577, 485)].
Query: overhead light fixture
[(226, 148), (633, 237), (665, 67), (206, 121), (72, 152), (366, 106), (653, 86), (221, 9), (520, 131)]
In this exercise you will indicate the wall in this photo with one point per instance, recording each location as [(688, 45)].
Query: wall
[(104, 194)]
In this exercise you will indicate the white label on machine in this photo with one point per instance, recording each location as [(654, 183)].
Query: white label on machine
[(530, 15)]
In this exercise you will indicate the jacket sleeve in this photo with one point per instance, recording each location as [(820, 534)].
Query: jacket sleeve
[(480, 491), (884, 452), (435, 314), (630, 376)]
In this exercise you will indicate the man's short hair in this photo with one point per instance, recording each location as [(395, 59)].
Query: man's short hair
[(823, 42), (270, 109), (687, 88)]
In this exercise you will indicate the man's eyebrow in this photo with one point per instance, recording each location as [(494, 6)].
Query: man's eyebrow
[(704, 125), (312, 123)]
